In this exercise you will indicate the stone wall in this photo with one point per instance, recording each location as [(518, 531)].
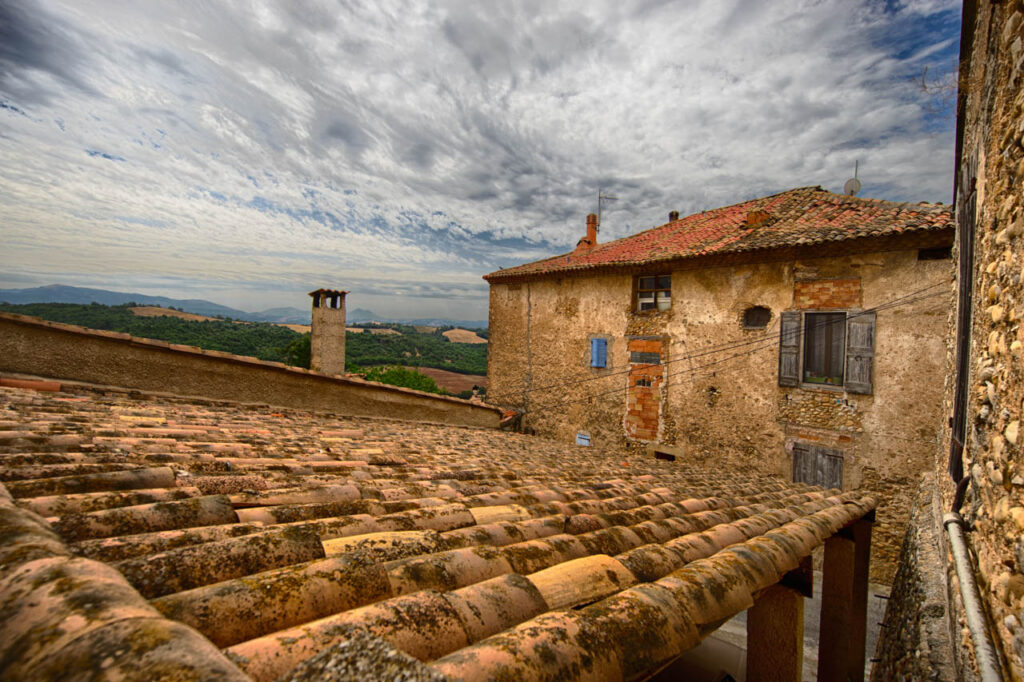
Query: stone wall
[(33, 346), (914, 642), (991, 124), (725, 407), (327, 335)]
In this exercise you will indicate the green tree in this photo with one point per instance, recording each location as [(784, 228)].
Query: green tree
[(298, 352), (396, 375)]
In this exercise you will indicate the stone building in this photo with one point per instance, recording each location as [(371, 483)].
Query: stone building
[(799, 334), (327, 334), (978, 484)]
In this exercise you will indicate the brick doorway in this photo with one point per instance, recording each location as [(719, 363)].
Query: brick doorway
[(644, 392)]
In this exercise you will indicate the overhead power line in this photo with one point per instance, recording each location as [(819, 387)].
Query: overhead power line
[(770, 344), (768, 334)]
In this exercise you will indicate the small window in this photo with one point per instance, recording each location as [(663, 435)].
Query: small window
[(599, 353), (653, 292), (582, 438), (824, 348), (941, 253), (756, 317)]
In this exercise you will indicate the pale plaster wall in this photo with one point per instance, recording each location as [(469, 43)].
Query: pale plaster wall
[(731, 412)]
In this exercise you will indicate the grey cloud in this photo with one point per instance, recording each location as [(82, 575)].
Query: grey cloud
[(413, 138), (33, 40)]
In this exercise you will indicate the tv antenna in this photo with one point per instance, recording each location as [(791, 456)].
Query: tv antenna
[(602, 198), (852, 185)]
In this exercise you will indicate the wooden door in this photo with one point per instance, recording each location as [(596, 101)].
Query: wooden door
[(816, 465)]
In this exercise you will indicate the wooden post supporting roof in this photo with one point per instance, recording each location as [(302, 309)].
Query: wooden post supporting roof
[(775, 636), (844, 598)]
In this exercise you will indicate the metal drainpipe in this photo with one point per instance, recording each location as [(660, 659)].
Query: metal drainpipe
[(984, 650)]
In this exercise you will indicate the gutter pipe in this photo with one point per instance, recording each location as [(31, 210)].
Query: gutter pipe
[(984, 650)]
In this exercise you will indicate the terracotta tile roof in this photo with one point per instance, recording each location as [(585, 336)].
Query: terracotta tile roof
[(167, 537), (799, 217)]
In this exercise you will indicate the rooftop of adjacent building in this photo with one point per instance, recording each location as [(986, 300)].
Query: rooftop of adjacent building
[(802, 217), (298, 543)]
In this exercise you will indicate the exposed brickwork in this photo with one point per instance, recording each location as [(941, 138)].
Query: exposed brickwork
[(644, 395), (827, 293)]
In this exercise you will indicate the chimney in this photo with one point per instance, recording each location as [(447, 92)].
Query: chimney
[(757, 218), (590, 241), (673, 216), (327, 336)]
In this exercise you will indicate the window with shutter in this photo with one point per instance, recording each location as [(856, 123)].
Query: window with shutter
[(789, 348), (598, 352), (831, 349), (824, 343)]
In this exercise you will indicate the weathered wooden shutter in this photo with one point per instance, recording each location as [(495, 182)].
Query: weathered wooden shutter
[(598, 352), (803, 464), (816, 465), (789, 348), (860, 352), (830, 469)]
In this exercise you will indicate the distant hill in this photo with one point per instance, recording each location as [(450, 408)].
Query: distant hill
[(59, 293)]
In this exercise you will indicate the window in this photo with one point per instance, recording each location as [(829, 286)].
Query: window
[(824, 348), (598, 352), (582, 438), (816, 465), (827, 348), (653, 292), (938, 253), (756, 317)]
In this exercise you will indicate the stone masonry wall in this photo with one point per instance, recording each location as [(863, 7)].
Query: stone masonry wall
[(992, 119), (914, 641), (725, 408)]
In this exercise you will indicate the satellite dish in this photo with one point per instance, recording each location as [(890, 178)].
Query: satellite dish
[(851, 187)]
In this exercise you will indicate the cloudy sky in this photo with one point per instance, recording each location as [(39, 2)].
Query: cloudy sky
[(248, 152)]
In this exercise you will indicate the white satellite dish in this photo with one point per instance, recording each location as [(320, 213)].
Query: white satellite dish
[(852, 185)]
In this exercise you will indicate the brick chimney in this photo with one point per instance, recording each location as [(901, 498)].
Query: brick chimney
[(590, 241), (757, 218), (673, 216), (327, 337)]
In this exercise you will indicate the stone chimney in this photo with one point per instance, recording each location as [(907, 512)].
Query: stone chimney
[(327, 345), (590, 241)]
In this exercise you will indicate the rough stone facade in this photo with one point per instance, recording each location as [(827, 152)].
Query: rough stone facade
[(914, 644), (991, 208), (327, 333), (724, 405)]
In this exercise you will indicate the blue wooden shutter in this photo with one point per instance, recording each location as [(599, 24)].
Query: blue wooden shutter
[(598, 353)]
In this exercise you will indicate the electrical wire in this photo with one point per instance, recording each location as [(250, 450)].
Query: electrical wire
[(768, 334), (694, 370)]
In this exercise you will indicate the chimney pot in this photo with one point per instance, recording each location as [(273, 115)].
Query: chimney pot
[(590, 241), (673, 216)]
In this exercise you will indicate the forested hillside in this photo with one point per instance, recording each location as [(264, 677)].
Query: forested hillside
[(256, 339), (270, 341)]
